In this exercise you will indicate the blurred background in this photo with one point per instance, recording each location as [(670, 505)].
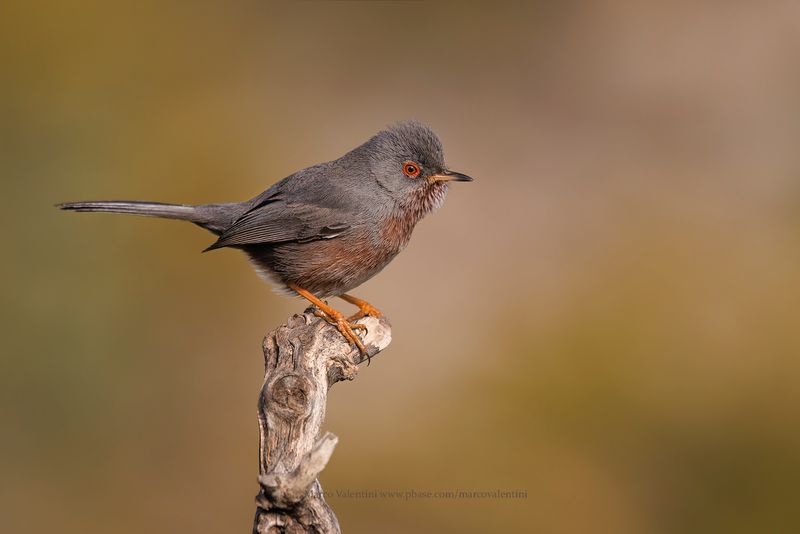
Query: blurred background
[(605, 320)]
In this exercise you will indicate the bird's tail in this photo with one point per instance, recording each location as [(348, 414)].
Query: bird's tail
[(149, 209), (213, 217)]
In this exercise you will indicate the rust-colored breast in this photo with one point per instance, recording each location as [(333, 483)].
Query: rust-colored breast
[(395, 233), (330, 267)]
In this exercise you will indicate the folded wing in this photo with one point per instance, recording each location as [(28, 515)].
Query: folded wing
[(277, 221)]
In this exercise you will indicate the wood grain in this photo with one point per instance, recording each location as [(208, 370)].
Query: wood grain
[(302, 360)]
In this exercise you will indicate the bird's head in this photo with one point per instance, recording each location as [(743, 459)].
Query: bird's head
[(407, 161)]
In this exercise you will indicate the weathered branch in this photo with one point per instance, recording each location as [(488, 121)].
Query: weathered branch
[(303, 359)]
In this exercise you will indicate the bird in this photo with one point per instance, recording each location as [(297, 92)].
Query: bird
[(326, 229)]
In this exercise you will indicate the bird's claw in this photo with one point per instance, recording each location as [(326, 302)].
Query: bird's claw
[(346, 328)]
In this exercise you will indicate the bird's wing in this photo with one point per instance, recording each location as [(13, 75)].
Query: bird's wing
[(277, 221)]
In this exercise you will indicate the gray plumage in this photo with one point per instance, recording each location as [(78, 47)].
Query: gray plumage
[(329, 227)]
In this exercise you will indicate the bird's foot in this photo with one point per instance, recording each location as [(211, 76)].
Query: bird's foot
[(365, 309), (346, 327)]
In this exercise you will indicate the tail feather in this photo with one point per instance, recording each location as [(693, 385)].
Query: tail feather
[(150, 209), (212, 217)]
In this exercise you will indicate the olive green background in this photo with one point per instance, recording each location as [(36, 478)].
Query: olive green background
[(605, 320)]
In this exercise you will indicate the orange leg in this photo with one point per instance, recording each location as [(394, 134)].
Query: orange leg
[(365, 309), (336, 318)]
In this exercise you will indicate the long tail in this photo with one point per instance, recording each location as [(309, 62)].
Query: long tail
[(213, 217), (149, 209)]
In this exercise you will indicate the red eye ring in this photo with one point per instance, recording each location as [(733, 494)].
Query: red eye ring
[(410, 169)]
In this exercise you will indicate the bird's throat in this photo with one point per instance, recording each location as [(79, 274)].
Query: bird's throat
[(400, 224), (424, 200)]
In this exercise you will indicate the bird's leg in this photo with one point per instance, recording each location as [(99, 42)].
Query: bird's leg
[(365, 309), (336, 318)]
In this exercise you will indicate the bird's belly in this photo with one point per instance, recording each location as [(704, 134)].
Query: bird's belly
[(326, 267)]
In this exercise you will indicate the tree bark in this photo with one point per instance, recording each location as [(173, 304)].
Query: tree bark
[(303, 359)]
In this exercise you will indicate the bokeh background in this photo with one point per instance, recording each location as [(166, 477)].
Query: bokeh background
[(605, 320)]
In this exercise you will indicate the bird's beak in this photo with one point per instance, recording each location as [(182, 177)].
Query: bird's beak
[(447, 176)]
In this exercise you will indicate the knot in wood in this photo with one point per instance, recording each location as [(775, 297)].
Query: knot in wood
[(290, 395)]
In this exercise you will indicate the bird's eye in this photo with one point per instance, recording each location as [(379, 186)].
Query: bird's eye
[(410, 169)]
